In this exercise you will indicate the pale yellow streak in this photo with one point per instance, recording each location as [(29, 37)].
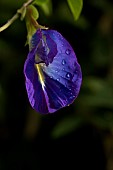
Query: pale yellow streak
[(40, 73)]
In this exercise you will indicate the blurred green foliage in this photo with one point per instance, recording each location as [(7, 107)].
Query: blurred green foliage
[(76, 7), (45, 5), (92, 39)]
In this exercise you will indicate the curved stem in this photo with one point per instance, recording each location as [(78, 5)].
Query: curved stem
[(16, 16), (9, 22)]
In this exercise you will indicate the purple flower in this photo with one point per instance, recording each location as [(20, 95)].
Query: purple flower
[(53, 75)]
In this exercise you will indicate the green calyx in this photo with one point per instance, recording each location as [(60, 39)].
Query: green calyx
[(31, 21)]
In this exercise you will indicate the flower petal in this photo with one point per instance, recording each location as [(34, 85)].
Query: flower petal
[(54, 81), (45, 47), (34, 88)]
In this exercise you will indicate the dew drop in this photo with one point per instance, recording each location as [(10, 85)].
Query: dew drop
[(51, 77), (63, 62), (68, 51), (68, 75), (72, 97), (58, 79)]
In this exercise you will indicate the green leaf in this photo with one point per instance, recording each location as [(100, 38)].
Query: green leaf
[(75, 7), (104, 121), (65, 126), (98, 94)]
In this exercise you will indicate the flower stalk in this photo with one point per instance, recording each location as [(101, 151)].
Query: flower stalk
[(16, 16)]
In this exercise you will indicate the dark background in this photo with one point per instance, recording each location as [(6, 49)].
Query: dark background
[(76, 137)]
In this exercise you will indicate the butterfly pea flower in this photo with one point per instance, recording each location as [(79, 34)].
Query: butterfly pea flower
[(52, 73)]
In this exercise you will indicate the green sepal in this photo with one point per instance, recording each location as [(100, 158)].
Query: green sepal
[(35, 13), (31, 16), (23, 14)]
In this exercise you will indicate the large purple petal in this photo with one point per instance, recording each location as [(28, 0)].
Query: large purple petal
[(54, 81)]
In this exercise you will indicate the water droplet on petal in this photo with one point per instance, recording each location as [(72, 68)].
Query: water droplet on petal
[(63, 62), (51, 77), (68, 51), (68, 75), (58, 79), (63, 69), (72, 97)]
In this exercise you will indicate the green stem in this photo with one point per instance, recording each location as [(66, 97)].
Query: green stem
[(16, 16), (9, 22)]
